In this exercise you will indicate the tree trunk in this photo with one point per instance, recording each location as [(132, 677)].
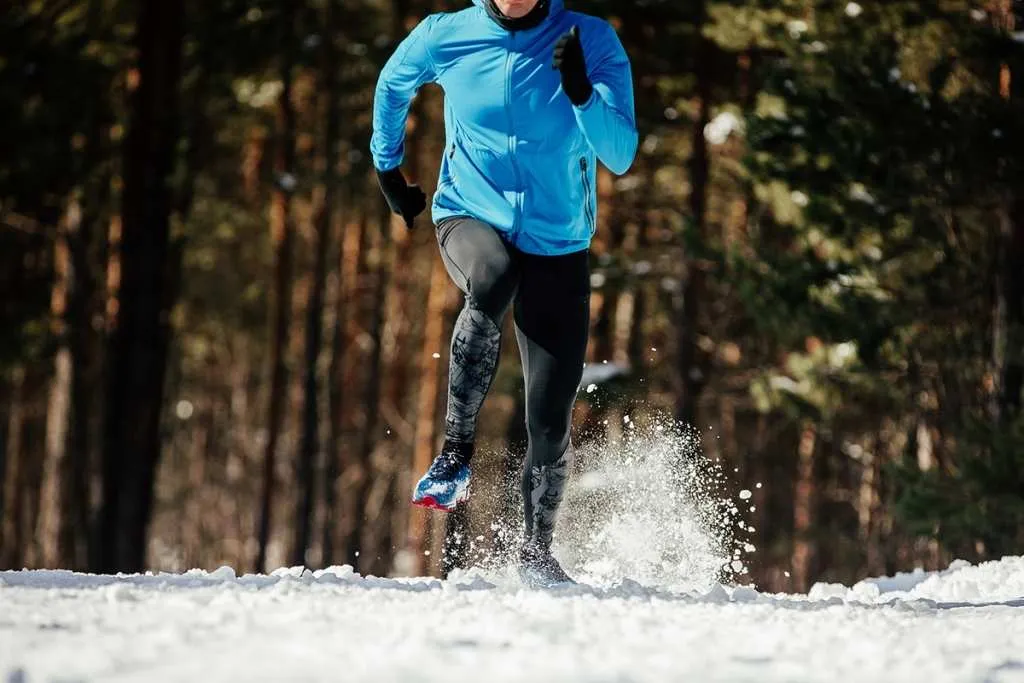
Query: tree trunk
[(363, 466), (1008, 326), (350, 242), (431, 372), (356, 369), (803, 507), (53, 516), (693, 362), (6, 407), (1012, 379), (148, 271), (10, 523), (314, 314), (73, 414), (283, 237)]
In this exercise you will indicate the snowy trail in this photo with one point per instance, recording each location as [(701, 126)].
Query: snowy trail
[(965, 624)]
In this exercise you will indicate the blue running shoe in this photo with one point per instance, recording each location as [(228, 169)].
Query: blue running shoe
[(446, 483)]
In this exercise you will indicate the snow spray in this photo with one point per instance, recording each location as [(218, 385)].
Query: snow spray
[(647, 506)]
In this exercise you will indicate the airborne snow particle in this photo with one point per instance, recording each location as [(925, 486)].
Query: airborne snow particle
[(437, 355), (737, 566), (287, 182), (745, 494), (184, 410), (591, 388), (853, 9), (721, 127), (757, 485), (799, 198)]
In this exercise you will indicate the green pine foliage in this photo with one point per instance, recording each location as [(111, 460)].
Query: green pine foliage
[(881, 150)]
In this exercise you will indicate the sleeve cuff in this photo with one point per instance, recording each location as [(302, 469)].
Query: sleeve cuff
[(590, 101)]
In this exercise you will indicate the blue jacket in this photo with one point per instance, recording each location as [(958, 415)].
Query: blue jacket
[(518, 155)]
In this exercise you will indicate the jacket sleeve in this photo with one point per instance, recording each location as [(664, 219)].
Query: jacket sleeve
[(410, 67), (608, 119)]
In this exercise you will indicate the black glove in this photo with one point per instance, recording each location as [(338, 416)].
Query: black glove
[(408, 201), (569, 60)]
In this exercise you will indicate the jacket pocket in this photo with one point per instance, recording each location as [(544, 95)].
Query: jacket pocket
[(588, 205)]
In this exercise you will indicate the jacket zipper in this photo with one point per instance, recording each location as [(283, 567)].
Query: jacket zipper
[(587, 208), (512, 140), (451, 163)]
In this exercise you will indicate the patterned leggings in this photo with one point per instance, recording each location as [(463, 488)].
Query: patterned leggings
[(551, 296)]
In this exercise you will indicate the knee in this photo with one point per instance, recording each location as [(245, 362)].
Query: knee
[(549, 437), (492, 285)]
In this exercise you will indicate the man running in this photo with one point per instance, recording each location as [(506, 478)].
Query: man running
[(534, 96)]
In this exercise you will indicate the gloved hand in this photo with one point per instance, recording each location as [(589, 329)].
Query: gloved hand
[(408, 201), (569, 60)]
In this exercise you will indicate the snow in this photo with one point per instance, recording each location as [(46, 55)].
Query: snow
[(963, 624), (659, 560)]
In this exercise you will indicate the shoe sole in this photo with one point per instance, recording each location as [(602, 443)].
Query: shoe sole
[(535, 583), (431, 503)]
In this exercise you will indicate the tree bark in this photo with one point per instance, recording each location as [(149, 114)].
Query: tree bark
[(803, 507), (1008, 324), (363, 465), (53, 519), (10, 523), (350, 243), (431, 372), (692, 361), (309, 446), (283, 237), (148, 272)]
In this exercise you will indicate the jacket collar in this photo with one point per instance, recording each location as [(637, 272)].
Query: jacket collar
[(553, 8)]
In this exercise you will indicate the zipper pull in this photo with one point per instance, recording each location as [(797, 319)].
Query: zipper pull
[(583, 163)]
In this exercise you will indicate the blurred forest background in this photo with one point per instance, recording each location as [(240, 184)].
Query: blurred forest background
[(217, 346)]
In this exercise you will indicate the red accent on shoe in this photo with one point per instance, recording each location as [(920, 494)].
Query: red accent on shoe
[(430, 503)]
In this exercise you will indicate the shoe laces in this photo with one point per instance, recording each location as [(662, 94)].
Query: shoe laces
[(446, 465)]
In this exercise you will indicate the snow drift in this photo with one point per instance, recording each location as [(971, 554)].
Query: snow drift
[(962, 624)]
